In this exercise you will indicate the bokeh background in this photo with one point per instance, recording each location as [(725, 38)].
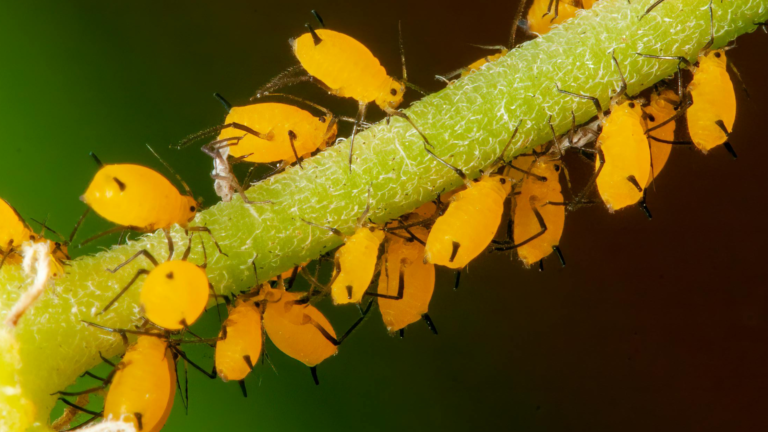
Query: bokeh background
[(656, 325)]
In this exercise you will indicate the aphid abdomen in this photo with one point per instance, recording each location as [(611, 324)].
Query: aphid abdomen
[(297, 337), (625, 147), (526, 225), (243, 338), (357, 259), (471, 221), (713, 100), (145, 384), (174, 294), (343, 64), (418, 278), (133, 195)]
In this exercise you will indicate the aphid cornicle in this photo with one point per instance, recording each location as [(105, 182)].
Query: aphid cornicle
[(709, 101), (623, 165), (472, 218), (346, 68), (539, 215), (406, 282), (143, 386), (287, 134), (140, 199), (175, 292), (661, 108), (241, 342)]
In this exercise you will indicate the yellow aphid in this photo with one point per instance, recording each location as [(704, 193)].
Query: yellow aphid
[(542, 17), (242, 342), (539, 200), (407, 276), (138, 198), (174, 294), (469, 224), (711, 117), (143, 387), (348, 68), (13, 232), (661, 108), (293, 325), (626, 171), (356, 263), (474, 67)]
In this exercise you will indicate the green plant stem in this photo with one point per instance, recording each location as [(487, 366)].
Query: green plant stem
[(468, 123)]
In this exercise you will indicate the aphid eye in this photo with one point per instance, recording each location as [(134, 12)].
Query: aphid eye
[(557, 168), (32, 238), (192, 209), (393, 92), (651, 118), (503, 180), (717, 54), (322, 119), (631, 104)]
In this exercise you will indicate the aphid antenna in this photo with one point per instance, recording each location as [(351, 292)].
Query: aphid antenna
[(730, 64), (46, 227), (555, 142), (711, 29), (224, 102), (515, 22), (595, 101), (489, 47), (178, 177), (650, 8), (623, 88), (501, 160), (402, 61), (367, 210), (318, 18), (332, 230)]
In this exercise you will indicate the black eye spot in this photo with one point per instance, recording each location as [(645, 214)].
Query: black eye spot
[(557, 168), (32, 238), (651, 118), (631, 104), (192, 209), (322, 119), (393, 92), (503, 180), (718, 55)]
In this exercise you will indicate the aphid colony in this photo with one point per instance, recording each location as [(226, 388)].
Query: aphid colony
[(632, 144)]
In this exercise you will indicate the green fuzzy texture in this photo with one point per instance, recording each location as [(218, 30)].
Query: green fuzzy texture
[(468, 123)]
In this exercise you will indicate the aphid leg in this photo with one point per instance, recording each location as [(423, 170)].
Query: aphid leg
[(458, 280), (145, 253), (554, 136), (188, 250), (623, 88), (333, 231), (81, 425), (559, 255), (108, 232), (290, 76), (650, 8), (446, 78), (400, 286), (414, 237), (208, 231), (81, 409), (429, 322), (120, 294), (542, 225), (168, 237), (211, 375), (674, 142), (593, 99), (216, 129), (292, 280), (549, 9), (592, 181), (292, 138), (518, 16), (120, 237), (458, 171), (313, 280), (679, 113), (362, 107), (738, 76), (8, 251), (96, 377), (313, 370), (77, 225)]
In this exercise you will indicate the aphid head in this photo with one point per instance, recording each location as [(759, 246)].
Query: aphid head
[(189, 208), (503, 181), (716, 57), (392, 96), (666, 96)]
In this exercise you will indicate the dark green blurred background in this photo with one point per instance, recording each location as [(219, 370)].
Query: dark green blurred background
[(655, 325)]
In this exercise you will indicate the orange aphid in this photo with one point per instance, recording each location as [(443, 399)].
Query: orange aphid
[(661, 108), (711, 117), (405, 265), (143, 387), (294, 325), (356, 263), (174, 294), (541, 19), (243, 340)]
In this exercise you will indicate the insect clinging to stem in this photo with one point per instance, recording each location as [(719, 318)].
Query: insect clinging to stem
[(140, 199), (472, 218), (709, 101), (344, 67), (662, 107), (175, 292), (241, 343), (624, 159)]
